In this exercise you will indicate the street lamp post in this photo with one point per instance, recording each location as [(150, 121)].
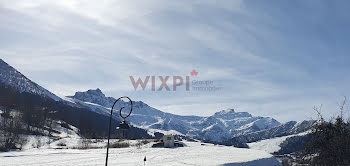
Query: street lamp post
[(123, 124)]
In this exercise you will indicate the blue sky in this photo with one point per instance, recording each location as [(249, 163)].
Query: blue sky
[(275, 59)]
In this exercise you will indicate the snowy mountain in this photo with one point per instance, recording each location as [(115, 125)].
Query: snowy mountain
[(228, 123), (13, 78), (289, 128), (31, 95), (226, 126), (216, 128), (94, 96)]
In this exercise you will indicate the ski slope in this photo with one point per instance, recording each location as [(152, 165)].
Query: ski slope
[(193, 154), (272, 145)]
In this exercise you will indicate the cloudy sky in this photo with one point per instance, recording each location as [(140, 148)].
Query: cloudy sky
[(271, 59)]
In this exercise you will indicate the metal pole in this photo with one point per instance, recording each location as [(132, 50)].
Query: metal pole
[(110, 121), (109, 135)]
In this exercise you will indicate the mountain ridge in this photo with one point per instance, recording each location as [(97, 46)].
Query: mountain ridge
[(217, 127), (221, 127), (11, 77)]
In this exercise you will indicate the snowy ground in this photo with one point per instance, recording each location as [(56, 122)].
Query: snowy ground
[(273, 144), (63, 152), (193, 154)]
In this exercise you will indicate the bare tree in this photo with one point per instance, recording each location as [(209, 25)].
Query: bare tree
[(10, 130), (330, 143)]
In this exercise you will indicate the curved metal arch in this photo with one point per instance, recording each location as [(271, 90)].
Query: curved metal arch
[(120, 111)]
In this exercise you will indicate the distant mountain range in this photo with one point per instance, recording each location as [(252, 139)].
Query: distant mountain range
[(289, 128), (225, 127), (217, 128)]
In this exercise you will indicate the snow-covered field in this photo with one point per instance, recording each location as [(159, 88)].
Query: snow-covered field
[(273, 144), (193, 154), (64, 151)]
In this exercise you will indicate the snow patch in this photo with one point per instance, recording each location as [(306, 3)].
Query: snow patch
[(272, 145)]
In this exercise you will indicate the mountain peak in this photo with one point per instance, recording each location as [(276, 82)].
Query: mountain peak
[(97, 92), (94, 96), (89, 93), (227, 111), (231, 114)]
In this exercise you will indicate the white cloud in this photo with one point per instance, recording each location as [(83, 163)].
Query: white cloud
[(71, 45)]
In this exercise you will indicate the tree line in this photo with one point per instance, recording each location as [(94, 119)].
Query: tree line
[(328, 143)]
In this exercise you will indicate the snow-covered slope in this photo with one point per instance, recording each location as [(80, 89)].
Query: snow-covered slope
[(288, 128), (216, 128), (228, 123), (69, 136), (11, 77), (273, 144)]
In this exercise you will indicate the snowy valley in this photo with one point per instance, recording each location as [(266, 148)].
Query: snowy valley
[(227, 137), (70, 150)]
